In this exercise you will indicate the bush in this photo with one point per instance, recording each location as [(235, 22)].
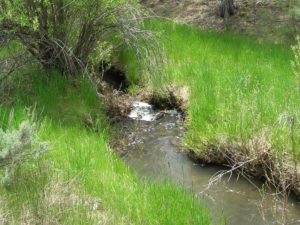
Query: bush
[(70, 35), (18, 146)]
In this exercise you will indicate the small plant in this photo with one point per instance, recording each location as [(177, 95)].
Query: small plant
[(133, 89), (16, 147)]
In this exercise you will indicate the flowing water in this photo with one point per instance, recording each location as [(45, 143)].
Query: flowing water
[(154, 151)]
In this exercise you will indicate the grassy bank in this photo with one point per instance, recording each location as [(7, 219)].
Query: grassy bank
[(243, 94), (81, 180)]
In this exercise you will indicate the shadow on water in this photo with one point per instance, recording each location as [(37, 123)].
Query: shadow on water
[(154, 151)]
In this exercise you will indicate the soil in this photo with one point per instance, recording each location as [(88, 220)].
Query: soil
[(262, 19)]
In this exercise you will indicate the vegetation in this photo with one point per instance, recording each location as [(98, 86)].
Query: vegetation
[(81, 180), (70, 35), (243, 110), (296, 61), (17, 146), (243, 101)]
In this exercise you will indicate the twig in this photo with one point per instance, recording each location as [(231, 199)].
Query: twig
[(220, 174)]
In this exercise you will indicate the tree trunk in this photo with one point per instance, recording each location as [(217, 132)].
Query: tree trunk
[(227, 8)]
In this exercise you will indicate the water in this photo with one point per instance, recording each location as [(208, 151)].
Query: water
[(142, 111), (154, 150)]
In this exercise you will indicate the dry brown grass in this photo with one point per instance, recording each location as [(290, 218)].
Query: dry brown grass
[(62, 203), (254, 158), (3, 212)]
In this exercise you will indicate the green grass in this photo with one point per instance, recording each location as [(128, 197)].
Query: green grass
[(242, 91), (81, 166)]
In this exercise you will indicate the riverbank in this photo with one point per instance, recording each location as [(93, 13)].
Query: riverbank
[(242, 100), (81, 180), (153, 141)]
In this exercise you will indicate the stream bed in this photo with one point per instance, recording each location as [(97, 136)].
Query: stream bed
[(155, 152)]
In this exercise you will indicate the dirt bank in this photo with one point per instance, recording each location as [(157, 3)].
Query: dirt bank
[(119, 102), (262, 19)]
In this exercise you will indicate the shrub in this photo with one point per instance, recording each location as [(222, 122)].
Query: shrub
[(69, 35), (18, 146)]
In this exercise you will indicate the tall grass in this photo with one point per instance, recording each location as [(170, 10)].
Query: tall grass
[(81, 180), (241, 90)]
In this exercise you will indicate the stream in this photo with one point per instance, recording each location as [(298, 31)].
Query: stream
[(154, 151)]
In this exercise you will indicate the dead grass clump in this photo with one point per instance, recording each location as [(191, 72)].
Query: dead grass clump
[(254, 158), (3, 212), (173, 98), (119, 104), (61, 203)]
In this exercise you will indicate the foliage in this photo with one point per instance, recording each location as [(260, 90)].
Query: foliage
[(18, 146), (67, 34), (61, 203), (243, 99), (84, 161)]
